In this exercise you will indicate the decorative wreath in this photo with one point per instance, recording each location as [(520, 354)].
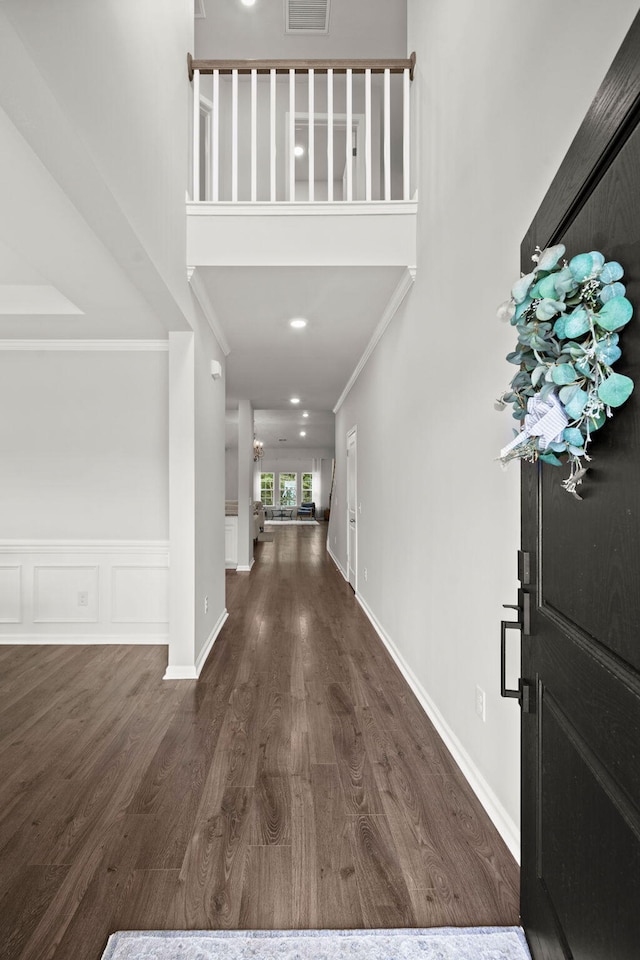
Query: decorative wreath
[(567, 316)]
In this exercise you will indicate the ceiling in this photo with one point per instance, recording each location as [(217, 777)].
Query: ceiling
[(279, 430), (357, 29), (269, 361)]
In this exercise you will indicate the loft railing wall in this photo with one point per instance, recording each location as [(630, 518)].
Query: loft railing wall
[(350, 121)]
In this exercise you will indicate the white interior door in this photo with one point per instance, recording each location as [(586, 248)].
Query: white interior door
[(352, 510)]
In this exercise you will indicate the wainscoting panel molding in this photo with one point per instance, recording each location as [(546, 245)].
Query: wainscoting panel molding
[(11, 593), (84, 591), (139, 594), (65, 594)]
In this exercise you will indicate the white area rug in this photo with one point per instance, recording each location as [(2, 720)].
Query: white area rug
[(296, 523), (448, 943)]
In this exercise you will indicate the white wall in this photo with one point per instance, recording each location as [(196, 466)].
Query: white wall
[(439, 526), (231, 473), (84, 499), (209, 488), (84, 445), (116, 75)]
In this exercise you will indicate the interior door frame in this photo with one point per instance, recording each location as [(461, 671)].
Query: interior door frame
[(358, 122), (613, 115), (352, 464)]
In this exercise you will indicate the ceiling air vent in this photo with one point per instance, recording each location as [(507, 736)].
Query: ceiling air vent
[(307, 16)]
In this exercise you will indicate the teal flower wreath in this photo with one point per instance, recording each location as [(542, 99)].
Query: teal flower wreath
[(567, 316)]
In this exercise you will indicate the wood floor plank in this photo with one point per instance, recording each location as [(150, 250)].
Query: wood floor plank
[(355, 769), (33, 836), (304, 858), (21, 911), (148, 901), (339, 904), (271, 822), (321, 748), (215, 864), (115, 857), (297, 784), (267, 893), (383, 891)]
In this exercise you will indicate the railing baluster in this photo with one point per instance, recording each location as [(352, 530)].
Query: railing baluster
[(330, 135), (311, 146), (358, 176), (349, 135), (272, 83), (196, 136), (292, 135), (387, 135), (367, 120), (254, 136), (215, 135), (406, 136), (234, 136)]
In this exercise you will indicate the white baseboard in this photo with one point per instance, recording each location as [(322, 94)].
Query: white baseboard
[(213, 636), (180, 673), (505, 826), (193, 672), (94, 639), (337, 562), (245, 568)]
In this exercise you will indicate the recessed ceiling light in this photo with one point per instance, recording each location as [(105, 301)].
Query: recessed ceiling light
[(295, 399), (303, 433), (305, 414), (248, 3), (298, 323), (298, 150)]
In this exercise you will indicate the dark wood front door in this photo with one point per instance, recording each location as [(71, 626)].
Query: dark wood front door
[(581, 661)]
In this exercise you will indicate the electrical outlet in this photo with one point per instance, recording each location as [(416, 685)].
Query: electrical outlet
[(481, 707), (83, 598), (365, 573), (206, 604)]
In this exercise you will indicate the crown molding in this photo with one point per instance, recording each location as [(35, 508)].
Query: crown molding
[(149, 346), (393, 304), (200, 293)]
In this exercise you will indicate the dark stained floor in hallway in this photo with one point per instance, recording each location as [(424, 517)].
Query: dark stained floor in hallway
[(296, 784)]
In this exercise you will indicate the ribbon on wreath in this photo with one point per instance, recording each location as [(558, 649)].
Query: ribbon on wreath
[(545, 419)]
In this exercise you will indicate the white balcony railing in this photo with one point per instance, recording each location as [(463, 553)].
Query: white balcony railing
[(301, 131)]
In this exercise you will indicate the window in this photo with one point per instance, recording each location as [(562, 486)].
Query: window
[(288, 489), (307, 487), (266, 488)]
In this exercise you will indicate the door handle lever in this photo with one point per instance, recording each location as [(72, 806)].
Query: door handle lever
[(523, 692), (504, 626), (523, 607)]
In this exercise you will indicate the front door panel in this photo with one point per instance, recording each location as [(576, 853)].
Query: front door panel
[(581, 739)]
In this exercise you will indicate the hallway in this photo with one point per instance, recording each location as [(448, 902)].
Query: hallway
[(296, 784)]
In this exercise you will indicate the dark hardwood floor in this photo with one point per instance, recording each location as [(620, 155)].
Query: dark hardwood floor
[(296, 784)]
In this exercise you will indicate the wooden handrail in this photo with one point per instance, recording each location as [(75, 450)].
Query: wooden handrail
[(283, 66)]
